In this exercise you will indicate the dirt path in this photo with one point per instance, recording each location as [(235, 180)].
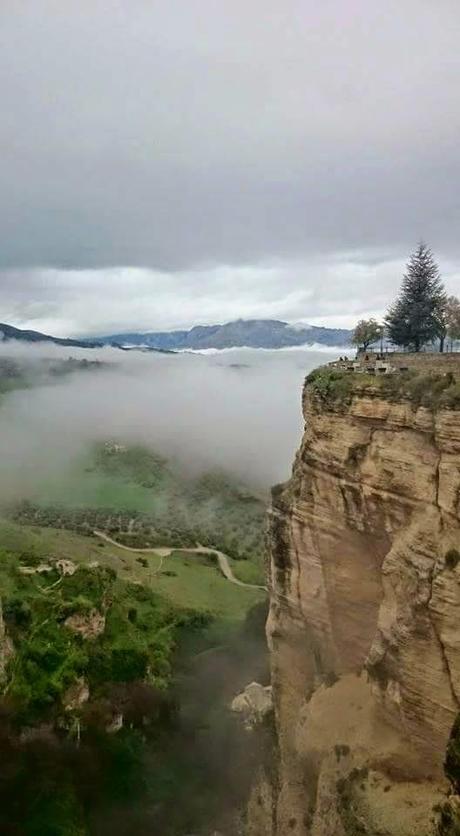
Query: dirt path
[(166, 551)]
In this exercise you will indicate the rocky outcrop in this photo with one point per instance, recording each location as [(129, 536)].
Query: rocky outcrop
[(254, 704), (88, 626), (364, 619), (76, 696)]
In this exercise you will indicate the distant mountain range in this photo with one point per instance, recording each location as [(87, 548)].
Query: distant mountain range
[(8, 332), (252, 333)]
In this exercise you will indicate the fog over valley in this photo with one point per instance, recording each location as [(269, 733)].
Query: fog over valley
[(237, 410)]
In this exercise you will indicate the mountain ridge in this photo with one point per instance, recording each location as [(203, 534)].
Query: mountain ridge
[(9, 332), (250, 333)]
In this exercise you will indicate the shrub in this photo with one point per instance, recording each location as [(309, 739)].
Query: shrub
[(452, 762), (330, 679), (17, 613), (30, 558), (452, 557), (451, 397), (128, 663), (331, 386)]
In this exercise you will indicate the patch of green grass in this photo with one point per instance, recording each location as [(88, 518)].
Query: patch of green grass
[(198, 584), (135, 464), (248, 572), (128, 479), (34, 542), (80, 489)]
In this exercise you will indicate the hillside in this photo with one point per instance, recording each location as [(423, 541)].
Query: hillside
[(252, 333), (8, 332), (121, 639), (107, 660)]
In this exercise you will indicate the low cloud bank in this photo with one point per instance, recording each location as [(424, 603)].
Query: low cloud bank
[(236, 410)]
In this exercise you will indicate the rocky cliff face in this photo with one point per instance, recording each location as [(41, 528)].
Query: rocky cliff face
[(364, 625)]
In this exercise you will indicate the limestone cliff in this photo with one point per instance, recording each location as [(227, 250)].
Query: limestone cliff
[(364, 625)]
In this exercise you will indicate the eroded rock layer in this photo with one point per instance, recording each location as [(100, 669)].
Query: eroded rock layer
[(364, 625)]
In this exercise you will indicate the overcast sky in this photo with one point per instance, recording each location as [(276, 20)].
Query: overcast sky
[(165, 163)]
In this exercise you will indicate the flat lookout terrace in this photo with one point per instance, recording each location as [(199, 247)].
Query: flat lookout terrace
[(391, 362)]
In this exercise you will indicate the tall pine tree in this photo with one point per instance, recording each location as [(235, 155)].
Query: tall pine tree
[(417, 316)]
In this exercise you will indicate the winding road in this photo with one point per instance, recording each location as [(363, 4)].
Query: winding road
[(166, 551)]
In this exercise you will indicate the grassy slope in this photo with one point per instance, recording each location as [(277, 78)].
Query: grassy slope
[(183, 789), (196, 584)]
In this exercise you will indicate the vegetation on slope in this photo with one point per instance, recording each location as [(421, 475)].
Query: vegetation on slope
[(330, 386), (169, 669), (187, 581), (126, 669), (334, 388), (136, 644)]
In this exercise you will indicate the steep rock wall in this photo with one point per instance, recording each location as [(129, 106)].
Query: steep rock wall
[(364, 625)]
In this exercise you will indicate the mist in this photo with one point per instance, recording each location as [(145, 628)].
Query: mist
[(238, 411)]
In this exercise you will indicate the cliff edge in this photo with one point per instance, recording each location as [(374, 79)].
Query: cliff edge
[(364, 624)]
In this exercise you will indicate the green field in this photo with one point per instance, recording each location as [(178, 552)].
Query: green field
[(80, 489), (186, 580)]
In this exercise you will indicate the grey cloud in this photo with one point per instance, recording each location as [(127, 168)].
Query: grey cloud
[(335, 290), (172, 135)]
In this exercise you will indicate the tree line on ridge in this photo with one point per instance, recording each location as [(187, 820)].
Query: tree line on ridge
[(422, 313)]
